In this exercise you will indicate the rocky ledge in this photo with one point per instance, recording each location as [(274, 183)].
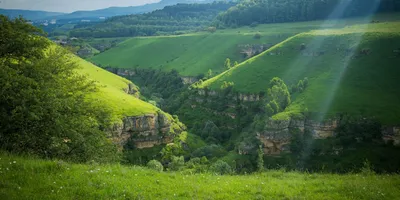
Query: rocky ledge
[(145, 131), (276, 134)]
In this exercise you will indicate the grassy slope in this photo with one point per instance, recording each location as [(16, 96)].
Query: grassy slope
[(28, 178), (368, 84), (195, 54), (112, 94)]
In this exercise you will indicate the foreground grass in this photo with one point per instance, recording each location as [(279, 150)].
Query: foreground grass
[(27, 178)]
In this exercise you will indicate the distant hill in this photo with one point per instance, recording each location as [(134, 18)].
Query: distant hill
[(95, 14), (175, 19), (29, 14), (116, 11)]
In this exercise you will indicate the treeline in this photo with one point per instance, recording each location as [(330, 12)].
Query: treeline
[(252, 12), (175, 19)]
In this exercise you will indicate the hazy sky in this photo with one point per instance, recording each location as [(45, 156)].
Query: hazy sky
[(69, 5)]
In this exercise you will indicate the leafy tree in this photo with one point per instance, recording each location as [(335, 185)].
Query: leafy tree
[(43, 101), (279, 93), (300, 85), (227, 63), (209, 73), (155, 165)]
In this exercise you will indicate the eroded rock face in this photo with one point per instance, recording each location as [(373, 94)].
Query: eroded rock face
[(276, 134), (144, 131), (188, 80)]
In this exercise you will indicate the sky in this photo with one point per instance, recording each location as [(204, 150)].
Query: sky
[(69, 5)]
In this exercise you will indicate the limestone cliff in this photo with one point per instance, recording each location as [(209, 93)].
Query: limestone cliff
[(276, 134), (146, 131)]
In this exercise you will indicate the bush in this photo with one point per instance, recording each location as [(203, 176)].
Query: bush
[(257, 36), (155, 165), (177, 163), (220, 167)]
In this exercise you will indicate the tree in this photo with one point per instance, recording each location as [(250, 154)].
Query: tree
[(227, 63), (260, 159), (209, 73), (44, 107), (279, 93), (300, 86)]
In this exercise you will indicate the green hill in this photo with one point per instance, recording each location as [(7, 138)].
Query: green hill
[(353, 70), (195, 54), (28, 178), (112, 93)]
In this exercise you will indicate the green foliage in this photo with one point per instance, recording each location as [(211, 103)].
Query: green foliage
[(43, 105), (155, 165), (177, 163), (220, 167), (227, 64), (253, 12), (227, 85), (257, 36), (209, 151), (19, 40), (278, 95), (354, 129), (300, 86), (260, 159)]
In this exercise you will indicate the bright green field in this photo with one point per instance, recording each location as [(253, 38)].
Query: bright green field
[(338, 82), (111, 93), (27, 178), (195, 54)]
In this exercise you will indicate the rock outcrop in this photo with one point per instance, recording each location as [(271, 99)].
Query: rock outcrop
[(276, 134), (145, 131)]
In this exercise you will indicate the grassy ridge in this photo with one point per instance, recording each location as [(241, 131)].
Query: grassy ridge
[(112, 92), (195, 54), (342, 79), (27, 178)]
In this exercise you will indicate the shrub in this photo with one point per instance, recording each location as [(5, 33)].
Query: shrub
[(177, 163), (211, 29), (155, 165), (220, 167), (257, 36)]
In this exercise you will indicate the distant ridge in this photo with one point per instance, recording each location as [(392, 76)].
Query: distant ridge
[(95, 14)]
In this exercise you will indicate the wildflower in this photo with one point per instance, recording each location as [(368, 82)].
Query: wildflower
[(14, 161), (61, 187)]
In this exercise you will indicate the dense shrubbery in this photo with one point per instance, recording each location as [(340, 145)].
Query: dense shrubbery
[(253, 12), (43, 104)]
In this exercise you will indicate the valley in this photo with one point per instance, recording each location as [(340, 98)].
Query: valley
[(203, 100)]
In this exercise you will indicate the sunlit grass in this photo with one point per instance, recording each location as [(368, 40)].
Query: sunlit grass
[(27, 178)]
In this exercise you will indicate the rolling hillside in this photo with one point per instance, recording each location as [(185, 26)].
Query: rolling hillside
[(195, 54), (112, 93), (351, 70)]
